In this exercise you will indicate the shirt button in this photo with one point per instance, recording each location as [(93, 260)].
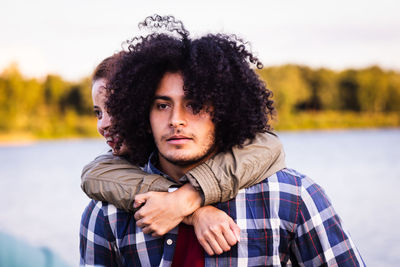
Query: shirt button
[(169, 241)]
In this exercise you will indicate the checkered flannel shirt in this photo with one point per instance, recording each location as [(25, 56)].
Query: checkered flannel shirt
[(285, 220)]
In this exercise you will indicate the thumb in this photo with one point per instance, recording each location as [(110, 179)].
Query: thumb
[(140, 200), (235, 229)]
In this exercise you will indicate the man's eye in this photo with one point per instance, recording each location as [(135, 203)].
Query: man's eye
[(162, 106)]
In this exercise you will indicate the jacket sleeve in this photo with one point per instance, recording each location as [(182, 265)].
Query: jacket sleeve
[(113, 179), (221, 177)]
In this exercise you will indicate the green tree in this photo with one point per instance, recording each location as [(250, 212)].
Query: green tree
[(13, 88), (54, 89), (373, 91), (348, 90), (85, 87), (393, 99), (313, 84), (288, 86), (4, 122), (327, 91)]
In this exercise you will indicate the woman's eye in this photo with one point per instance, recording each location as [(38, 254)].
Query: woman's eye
[(98, 114)]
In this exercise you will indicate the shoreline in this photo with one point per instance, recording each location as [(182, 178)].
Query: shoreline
[(8, 140), (17, 140)]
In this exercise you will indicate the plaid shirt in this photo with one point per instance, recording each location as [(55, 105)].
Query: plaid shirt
[(285, 220)]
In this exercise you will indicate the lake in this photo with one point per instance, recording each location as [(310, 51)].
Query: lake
[(359, 170)]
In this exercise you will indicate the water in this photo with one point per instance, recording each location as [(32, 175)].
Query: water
[(360, 171), (40, 190)]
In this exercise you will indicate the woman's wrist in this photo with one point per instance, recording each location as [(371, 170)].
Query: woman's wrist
[(188, 198)]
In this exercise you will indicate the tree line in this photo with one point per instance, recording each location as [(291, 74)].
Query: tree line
[(301, 88), (49, 107), (54, 107)]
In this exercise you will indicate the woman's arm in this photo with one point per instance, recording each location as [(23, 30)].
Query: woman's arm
[(214, 229), (221, 177), (115, 180)]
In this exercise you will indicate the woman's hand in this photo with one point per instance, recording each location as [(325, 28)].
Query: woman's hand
[(163, 211), (215, 230)]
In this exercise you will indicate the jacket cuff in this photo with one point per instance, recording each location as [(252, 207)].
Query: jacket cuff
[(207, 181), (161, 184)]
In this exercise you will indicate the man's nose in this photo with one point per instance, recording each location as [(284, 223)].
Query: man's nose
[(178, 117)]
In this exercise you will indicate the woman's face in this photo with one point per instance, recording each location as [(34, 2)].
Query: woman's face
[(99, 96)]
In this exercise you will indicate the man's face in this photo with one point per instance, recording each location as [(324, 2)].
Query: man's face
[(182, 137)]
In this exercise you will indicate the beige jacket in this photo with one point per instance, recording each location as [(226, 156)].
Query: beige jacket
[(115, 180)]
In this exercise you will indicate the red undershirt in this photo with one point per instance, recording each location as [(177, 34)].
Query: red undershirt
[(188, 251)]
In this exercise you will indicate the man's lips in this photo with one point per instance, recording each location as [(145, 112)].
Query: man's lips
[(178, 139)]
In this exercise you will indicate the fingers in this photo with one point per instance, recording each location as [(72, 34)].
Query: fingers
[(220, 245), (236, 230), (215, 230), (218, 239), (143, 215), (155, 234), (206, 247), (140, 199), (147, 230), (150, 229), (215, 246), (149, 225), (230, 237), (138, 216), (143, 221), (157, 215)]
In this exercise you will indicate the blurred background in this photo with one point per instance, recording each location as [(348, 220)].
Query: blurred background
[(334, 68)]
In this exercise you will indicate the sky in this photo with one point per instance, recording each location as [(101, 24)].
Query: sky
[(71, 37)]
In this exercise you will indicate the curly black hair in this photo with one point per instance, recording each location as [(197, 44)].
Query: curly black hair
[(216, 70), (106, 67)]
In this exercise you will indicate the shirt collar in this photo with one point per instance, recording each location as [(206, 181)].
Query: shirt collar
[(152, 169), (150, 166)]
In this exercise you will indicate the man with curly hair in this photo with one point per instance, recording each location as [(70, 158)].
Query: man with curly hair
[(176, 102)]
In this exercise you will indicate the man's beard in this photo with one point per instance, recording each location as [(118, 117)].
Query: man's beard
[(188, 161)]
